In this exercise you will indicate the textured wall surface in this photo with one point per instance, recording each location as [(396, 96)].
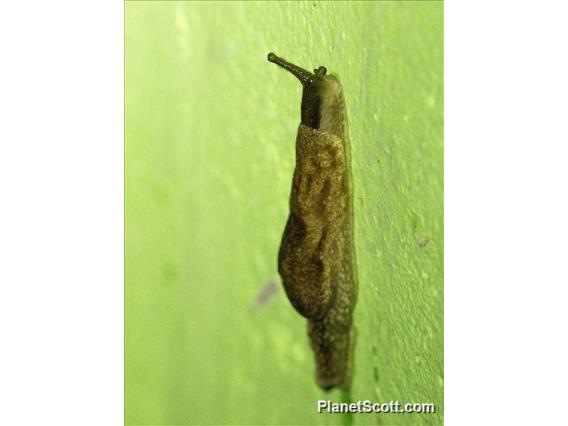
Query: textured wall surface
[(210, 129)]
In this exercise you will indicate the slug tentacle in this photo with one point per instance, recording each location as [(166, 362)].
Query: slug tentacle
[(303, 75)]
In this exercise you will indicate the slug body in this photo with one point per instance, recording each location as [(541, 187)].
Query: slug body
[(316, 259)]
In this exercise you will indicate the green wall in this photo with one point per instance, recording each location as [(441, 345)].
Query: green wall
[(210, 127)]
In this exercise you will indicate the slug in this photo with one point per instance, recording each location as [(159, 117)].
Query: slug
[(316, 259)]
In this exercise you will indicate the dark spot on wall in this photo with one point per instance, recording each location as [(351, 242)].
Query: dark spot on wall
[(265, 296), (422, 240)]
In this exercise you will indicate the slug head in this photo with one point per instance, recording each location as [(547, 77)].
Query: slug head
[(322, 96)]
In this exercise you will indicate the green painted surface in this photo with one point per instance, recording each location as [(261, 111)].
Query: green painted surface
[(210, 128)]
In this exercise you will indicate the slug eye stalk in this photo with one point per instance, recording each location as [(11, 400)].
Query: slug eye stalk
[(301, 74)]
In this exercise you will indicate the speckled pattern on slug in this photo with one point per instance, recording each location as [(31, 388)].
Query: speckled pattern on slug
[(316, 259)]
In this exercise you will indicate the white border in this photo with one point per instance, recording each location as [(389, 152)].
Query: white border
[(61, 214), (506, 212)]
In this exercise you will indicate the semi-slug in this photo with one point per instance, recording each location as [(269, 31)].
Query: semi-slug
[(316, 259)]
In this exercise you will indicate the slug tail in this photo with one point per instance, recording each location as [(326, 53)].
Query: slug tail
[(333, 355)]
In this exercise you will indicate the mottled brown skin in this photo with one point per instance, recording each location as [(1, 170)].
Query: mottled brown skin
[(317, 256)]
